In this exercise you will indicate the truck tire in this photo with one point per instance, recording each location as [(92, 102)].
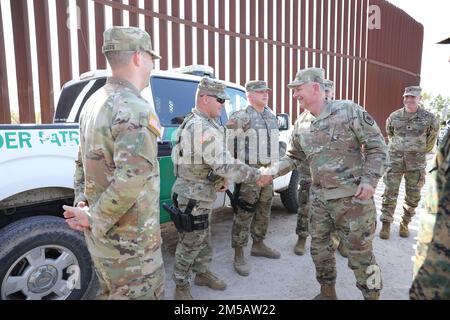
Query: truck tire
[(289, 197), (41, 258)]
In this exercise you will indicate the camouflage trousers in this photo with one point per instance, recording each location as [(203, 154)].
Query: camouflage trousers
[(194, 250), (432, 260), (414, 181), (302, 229), (257, 222), (355, 222), (137, 278)]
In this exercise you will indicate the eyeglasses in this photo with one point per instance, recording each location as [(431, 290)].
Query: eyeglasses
[(219, 100)]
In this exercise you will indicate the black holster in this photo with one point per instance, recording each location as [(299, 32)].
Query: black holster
[(244, 205), (232, 201), (185, 221)]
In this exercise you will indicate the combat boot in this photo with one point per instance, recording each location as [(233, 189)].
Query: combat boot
[(327, 292), (210, 280), (342, 250), (239, 263), (182, 292), (299, 248), (385, 232), (404, 232), (259, 249), (372, 295)]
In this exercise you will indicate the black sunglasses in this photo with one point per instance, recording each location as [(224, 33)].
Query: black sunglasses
[(219, 100)]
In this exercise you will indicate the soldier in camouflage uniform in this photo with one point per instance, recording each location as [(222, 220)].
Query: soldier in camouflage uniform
[(412, 133), (253, 202), (117, 174), (432, 260), (200, 152), (303, 196), (303, 190), (330, 136)]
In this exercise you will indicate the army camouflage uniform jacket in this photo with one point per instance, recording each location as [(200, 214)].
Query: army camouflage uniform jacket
[(331, 143), (117, 172), (201, 148), (411, 137), (432, 258)]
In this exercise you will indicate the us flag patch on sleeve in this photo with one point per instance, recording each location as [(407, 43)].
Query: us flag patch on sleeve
[(154, 125), (205, 137)]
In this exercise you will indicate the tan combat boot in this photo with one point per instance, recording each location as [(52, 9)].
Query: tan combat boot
[(299, 248), (385, 232), (259, 249), (404, 232), (210, 280), (182, 292), (327, 292), (372, 295), (239, 263), (342, 250)]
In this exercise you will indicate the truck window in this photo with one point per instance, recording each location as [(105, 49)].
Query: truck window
[(175, 98), (238, 100), (73, 98)]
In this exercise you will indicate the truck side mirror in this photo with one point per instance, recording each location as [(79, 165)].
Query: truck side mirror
[(283, 121)]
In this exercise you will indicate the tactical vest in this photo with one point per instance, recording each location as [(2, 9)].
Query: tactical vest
[(259, 122), (184, 158)]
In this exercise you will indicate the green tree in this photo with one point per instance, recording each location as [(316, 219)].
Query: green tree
[(439, 105)]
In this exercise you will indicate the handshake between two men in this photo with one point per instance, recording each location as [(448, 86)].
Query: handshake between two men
[(266, 177), (77, 217)]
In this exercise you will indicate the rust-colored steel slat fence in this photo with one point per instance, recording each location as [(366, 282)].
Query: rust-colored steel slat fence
[(370, 49)]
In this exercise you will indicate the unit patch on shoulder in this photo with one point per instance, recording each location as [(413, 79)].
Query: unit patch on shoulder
[(368, 119)]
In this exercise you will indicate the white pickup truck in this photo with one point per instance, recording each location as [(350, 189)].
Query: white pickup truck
[(40, 257)]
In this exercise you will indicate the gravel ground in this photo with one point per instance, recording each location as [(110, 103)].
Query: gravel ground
[(292, 276)]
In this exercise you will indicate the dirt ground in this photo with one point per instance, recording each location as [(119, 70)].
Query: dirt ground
[(292, 276)]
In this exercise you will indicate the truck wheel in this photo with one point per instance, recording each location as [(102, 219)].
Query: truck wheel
[(289, 197), (41, 258)]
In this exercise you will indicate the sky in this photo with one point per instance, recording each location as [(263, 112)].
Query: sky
[(434, 16)]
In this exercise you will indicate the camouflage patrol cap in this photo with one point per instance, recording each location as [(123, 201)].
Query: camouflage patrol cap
[(256, 85), (212, 87), (328, 84), (308, 75), (127, 39), (413, 91)]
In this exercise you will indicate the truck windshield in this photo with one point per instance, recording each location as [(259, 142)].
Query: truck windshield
[(175, 98)]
